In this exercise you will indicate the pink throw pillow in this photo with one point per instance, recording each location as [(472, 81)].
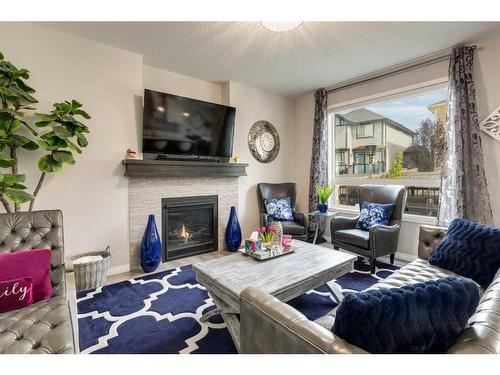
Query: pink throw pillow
[(34, 264), (15, 294)]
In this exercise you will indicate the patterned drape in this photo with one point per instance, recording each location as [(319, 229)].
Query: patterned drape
[(319, 157), (464, 192)]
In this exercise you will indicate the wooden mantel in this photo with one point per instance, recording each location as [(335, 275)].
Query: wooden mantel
[(182, 168)]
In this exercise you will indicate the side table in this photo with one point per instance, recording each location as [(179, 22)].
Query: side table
[(320, 215)]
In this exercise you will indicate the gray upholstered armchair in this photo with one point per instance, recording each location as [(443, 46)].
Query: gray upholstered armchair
[(48, 326), (298, 227), (380, 240)]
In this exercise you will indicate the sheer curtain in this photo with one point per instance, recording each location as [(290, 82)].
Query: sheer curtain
[(319, 156), (464, 192)]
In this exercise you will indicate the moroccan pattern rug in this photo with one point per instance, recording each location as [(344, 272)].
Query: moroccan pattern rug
[(160, 313)]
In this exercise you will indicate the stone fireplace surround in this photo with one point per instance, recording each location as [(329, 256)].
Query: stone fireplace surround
[(146, 193)]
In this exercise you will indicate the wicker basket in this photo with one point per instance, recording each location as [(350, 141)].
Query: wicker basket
[(92, 274)]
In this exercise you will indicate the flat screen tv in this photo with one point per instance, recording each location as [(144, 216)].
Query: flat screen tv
[(183, 127)]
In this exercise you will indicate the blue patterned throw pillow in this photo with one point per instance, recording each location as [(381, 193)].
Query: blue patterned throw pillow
[(278, 209), (417, 318), (471, 250), (374, 214)]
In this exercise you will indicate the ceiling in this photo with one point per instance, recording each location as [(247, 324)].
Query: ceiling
[(317, 54)]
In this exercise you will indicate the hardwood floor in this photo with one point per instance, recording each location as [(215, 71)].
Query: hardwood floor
[(168, 265)]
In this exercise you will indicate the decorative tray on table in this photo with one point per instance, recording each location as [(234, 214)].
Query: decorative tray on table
[(264, 254)]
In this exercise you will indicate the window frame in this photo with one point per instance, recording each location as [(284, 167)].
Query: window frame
[(338, 180), (364, 127)]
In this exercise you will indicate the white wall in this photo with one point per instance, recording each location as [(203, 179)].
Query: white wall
[(253, 105), (93, 194), (487, 77), (302, 148), (172, 83)]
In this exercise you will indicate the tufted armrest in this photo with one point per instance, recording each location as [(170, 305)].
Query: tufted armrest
[(430, 237)]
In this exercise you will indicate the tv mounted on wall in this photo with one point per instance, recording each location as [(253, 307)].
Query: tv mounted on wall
[(179, 127)]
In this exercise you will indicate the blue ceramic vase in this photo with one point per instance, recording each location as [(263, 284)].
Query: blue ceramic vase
[(150, 246), (233, 231), (322, 208)]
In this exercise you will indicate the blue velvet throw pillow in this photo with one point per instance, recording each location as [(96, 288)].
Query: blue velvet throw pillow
[(278, 209), (374, 214), (417, 318), (471, 250)]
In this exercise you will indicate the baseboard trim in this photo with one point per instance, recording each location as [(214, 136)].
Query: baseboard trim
[(119, 269)]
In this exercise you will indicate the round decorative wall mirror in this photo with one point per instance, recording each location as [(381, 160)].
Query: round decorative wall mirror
[(264, 141)]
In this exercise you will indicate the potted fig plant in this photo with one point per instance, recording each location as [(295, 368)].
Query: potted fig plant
[(323, 192), (59, 134)]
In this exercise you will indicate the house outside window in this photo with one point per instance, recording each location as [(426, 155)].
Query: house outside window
[(395, 141)]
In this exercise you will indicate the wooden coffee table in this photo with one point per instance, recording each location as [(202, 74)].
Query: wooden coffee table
[(284, 277)]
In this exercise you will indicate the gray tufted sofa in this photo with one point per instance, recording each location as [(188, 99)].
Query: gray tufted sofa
[(271, 326), (45, 327)]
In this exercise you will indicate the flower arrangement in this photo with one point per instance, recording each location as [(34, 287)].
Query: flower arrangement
[(266, 235)]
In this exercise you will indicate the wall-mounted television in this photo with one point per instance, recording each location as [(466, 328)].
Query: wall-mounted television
[(182, 127)]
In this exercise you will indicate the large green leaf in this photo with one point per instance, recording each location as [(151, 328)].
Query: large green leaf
[(52, 143), (44, 120), (81, 140), (15, 125), (16, 141), (23, 94), (6, 162), (30, 146), (82, 113), (47, 164), (9, 179), (63, 157), (22, 85), (11, 112), (62, 132), (73, 146), (18, 196)]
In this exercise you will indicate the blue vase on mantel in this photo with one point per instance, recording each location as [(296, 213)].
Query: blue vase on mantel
[(150, 246), (233, 231)]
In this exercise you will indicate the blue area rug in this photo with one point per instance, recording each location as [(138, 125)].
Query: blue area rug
[(160, 313)]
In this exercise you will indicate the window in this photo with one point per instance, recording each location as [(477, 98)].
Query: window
[(364, 130), (395, 141)]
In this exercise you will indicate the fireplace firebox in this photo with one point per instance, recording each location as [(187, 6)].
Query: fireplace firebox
[(189, 226)]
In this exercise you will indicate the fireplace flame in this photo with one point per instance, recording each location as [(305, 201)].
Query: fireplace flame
[(184, 233)]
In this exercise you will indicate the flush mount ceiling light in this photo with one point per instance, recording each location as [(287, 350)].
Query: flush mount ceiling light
[(280, 27)]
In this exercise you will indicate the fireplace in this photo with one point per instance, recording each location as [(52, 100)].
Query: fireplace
[(189, 226)]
